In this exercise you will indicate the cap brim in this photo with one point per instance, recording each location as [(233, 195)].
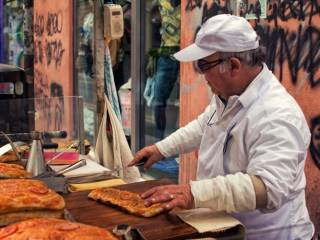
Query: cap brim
[(192, 53)]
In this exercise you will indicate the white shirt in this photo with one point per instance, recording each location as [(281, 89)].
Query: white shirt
[(262, 132)]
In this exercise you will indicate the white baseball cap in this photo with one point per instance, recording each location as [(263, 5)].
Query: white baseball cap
[(221, 33)]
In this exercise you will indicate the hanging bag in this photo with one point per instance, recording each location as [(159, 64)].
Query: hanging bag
[(112, 149)]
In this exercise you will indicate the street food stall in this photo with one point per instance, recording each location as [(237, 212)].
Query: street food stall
[(51, 175), (69, 189)]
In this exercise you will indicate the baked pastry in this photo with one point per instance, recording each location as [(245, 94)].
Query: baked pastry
[(13, 171), (22, 199), (131, 202), (11, 156), (46, 228)]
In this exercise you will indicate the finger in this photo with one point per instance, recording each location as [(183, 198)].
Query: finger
[(152, 159), (138, 156), (161, 198), (148, 193), (157, 191), (176, 202)]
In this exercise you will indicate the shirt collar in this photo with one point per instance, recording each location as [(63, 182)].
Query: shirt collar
[(254, 88), (250, 93)]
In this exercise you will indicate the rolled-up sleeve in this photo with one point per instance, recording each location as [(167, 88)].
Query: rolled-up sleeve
[(277, 149)]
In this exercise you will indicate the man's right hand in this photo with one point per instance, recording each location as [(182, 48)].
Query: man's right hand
[(152, 153)]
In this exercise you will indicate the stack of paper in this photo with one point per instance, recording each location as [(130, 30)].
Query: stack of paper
[(91, 168), (92, 171)]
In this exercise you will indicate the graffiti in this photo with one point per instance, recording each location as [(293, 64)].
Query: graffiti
[(41, 83), (300, 50), (214, 9), (50, 107), (42, 105), (52, 59), (250, 7), (292, 9), (38, 25), (54, 23), (54, 52), (192, 4), (38, 52), (57, 103), (315, 140)]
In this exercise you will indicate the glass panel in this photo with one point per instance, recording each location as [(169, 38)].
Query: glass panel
[(84, 64), (11, 32), (42, 114), (161, 91)]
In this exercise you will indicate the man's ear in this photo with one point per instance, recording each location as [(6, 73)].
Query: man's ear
[(235, 66)]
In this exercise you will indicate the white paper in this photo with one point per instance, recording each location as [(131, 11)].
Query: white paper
[(205, 220), (91, 168), (6, 148)]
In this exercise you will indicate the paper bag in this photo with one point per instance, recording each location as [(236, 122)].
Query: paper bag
[(113, 151)]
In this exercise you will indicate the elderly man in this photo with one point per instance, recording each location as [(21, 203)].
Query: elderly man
[(252, 138)]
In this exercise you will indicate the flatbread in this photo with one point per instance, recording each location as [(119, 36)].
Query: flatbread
[(22, 199), (13, 217), (13, 171), (129, 201), (49, 228)]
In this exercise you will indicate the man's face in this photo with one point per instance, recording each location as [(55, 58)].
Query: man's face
[(214, 70)]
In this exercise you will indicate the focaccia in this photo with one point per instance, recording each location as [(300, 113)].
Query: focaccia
[(13, 171), (46, 228), (27, 198), (129, 201)]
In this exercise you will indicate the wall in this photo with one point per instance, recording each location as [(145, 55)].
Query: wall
[(291, 34), (53, 63)]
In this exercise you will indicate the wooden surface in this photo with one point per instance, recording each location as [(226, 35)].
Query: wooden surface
[(163, 226)]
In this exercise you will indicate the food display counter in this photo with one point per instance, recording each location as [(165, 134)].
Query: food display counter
[(163, 226)]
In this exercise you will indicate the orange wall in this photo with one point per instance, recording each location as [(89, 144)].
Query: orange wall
[(53, 72), (292, 38)]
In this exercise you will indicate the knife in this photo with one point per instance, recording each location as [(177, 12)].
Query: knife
[(139, 164)]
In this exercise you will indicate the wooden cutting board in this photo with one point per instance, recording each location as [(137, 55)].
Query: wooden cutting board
[(163, 226)]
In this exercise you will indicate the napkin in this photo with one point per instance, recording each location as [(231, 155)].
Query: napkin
[(205, 220), (93, 185)]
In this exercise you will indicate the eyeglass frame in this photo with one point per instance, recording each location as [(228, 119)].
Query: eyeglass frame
[(206, 65)]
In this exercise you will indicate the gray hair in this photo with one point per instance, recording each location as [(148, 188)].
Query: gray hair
[(252, 57)]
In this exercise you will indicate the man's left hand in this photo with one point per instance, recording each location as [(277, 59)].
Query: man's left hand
[(170, 196)]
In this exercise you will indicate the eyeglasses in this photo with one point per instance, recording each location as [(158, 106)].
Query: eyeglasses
[(203, 65)]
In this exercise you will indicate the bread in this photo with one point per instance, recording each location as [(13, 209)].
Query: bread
[(13, 171), (53, 229), (129, 201), (26, 198)]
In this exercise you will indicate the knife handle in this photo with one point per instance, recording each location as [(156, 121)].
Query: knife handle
[(141, 162)]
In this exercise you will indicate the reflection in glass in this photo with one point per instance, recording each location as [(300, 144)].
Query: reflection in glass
[(162, 78)]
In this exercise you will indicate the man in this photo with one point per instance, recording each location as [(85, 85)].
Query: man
[(252, 139)]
